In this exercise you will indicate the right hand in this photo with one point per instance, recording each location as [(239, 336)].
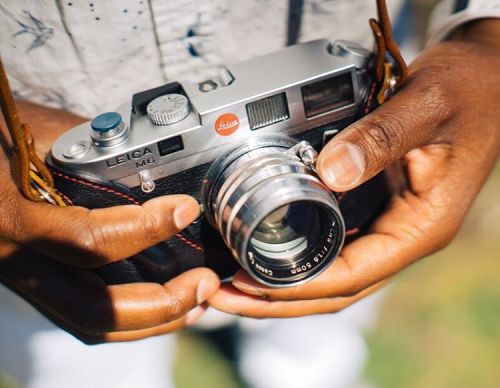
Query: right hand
[(47, 253)]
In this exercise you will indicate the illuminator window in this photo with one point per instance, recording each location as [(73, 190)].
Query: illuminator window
[(270, 110)]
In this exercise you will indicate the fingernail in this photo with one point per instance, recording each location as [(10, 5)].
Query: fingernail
[(247, 289), (203, 292), (342, 165), (185, 213), (194, 315)]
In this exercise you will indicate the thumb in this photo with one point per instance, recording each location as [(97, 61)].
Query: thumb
[(366, 147)]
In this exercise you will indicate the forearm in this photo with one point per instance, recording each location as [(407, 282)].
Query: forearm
[(485, 33), (475, 49)]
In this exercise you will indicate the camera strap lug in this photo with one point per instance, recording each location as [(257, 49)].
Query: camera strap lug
[(305, 152), (147, 183)]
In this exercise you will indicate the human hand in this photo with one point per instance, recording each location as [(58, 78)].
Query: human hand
[(46, 254), (444, 125)]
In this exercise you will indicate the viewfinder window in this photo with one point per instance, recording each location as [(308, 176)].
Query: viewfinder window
[(328, 95), (169, 146)]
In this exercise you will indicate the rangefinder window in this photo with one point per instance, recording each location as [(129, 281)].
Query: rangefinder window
[(328, 95)]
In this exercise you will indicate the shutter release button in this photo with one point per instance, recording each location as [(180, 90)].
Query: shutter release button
[(106, 122), (108, 129)]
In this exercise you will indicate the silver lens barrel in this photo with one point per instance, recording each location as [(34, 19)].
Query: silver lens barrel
[(277, 218)]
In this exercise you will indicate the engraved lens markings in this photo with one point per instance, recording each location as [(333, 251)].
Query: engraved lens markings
[(318, 258)]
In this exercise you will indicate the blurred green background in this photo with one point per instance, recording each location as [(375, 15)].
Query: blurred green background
[(439, 326)]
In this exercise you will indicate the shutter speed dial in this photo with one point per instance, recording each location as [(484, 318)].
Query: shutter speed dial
[(168, 109)]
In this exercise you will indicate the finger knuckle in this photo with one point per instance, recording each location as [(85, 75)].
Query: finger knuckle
[(352, 290), (444, 235), (434, 90), (382, 137), (89, 241), (434, 99), (337, 308), (353, 283), (445, 239), (438, 228), (152, 228), (175, 305)]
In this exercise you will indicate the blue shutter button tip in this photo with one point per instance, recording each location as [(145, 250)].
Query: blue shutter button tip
[(106, 122)]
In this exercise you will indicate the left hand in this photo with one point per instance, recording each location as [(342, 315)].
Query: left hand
[(48, 254), (444, 124)]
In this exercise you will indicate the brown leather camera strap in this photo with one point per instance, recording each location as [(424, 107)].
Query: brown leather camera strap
[(30, 173), (388, 79)]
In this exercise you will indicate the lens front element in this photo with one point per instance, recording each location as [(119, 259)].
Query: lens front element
[(283, 233), (293, 240)]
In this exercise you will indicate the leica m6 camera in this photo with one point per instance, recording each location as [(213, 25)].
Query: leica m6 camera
[(244, 144)]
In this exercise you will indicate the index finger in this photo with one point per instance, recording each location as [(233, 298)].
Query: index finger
[(92, 238), (232, 301)]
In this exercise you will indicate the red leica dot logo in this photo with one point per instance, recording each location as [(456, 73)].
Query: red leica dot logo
[(227, 124)]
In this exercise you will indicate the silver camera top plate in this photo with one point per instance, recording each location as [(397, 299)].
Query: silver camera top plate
[(274, 93)]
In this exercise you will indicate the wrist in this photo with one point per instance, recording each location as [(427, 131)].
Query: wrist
[(450, 15), (481, 31), (46, 124), (42, 116)]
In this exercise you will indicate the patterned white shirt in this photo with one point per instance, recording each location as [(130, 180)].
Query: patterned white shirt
[(88, 57)]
